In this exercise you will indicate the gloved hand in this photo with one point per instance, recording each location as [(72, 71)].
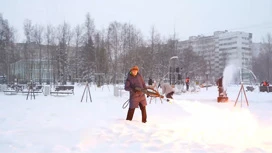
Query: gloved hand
[(144, 90), (136, 89)]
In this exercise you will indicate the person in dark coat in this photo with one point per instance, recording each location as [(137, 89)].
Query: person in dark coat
[(150, 82), (219, 84), (187, 82), (265, 83), (134, 84)]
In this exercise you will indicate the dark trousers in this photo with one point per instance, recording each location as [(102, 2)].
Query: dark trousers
[(187, 86), (220, 90), (170, 95), (131, 113)]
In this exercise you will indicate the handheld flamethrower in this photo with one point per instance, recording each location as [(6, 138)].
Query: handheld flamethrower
[(150, 92)]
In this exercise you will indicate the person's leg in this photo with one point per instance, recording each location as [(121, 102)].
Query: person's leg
[(169, 95), (143, 110), (220, 89), (130, 113)]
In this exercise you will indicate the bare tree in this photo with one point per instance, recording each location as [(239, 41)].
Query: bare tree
[(101, 55), (192, 64), (38, 39), (78, 43), (268, 51), (115, 44), (7, 54), (28, 49), (89, 27), (154, 42), (129, 43), (262, 65), (88, 62), (50, 43), (64, 37)]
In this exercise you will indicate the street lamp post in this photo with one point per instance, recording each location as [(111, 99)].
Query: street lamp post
[(171, 72)]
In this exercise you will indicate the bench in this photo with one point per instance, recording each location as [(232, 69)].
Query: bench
[(63, 89), (265, 88), (10, 92), (36, 89), (249, 88), (15, 87)]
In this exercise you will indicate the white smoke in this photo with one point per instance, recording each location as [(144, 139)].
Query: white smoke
[(230, 71)]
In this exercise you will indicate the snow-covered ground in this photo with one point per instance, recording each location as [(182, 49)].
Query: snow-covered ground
[(193, 123)]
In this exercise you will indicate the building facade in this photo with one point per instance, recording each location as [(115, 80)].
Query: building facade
[(35, 70), (221, 49)]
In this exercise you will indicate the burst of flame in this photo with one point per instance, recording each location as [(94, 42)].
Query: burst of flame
[(212, 125)]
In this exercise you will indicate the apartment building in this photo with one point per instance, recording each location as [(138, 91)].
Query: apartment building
[(32, 69), (221, 49)]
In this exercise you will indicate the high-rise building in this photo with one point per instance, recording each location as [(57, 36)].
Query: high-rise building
[(221, 49)]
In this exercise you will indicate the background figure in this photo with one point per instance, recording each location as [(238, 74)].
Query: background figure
[(262, 83), (150, 82), (167, 90), (219, 84), (187, 82), (265, 83), (134, 84)]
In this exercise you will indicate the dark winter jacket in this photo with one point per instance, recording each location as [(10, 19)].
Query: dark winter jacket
[(135, 97), (150, 81), (187, 81), (219, 82)]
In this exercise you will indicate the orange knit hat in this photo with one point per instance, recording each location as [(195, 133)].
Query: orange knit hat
[(135, 68)]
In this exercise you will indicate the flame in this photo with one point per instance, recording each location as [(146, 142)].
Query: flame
[(213, 125)]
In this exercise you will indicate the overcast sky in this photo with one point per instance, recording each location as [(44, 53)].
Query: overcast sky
[(187, 17)]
